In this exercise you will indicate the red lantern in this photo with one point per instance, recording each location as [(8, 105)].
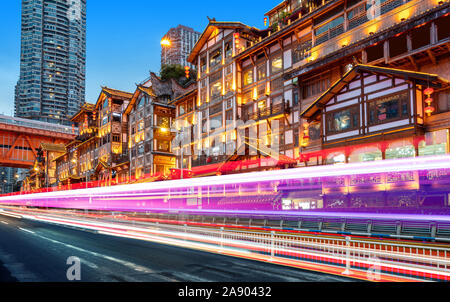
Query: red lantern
[(429, 91), (187, 71), (236, 38), (429, 110), (265, 21)]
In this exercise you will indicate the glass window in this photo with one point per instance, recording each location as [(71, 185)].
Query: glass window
[(203, 64), (216, 58), (105, 120), (316, 85), (182, 108), (400, 149), (435, 143), (106, 103), (261, 71), (444, 101), (141, 126), (330, 25), (364, 154), (276, 64), (228, 49), (315, 132), (302, 51), (336, 158), (141, 103), (163, 145), (216, 89), (216, 122), (248, 77), (342, 121), (388, 109)]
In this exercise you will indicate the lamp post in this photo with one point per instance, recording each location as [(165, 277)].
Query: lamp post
[(166, 44), (177, 132)]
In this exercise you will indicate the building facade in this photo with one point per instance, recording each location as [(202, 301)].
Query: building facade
[(51, 87), (151, 116), (182, 40), (262, 81)]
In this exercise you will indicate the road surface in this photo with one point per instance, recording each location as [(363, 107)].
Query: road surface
[(37, 252)]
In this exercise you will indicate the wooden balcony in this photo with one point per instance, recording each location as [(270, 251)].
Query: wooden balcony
[(262, 114)]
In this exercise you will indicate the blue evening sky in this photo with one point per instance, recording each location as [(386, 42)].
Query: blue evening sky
[(122, 38)]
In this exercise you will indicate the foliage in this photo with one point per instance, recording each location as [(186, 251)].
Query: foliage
[(176, 72)]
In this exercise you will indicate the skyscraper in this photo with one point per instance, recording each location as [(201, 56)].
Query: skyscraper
[(51, 87), (182, 40)]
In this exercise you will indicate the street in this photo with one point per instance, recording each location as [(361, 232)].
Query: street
[(37, 252)]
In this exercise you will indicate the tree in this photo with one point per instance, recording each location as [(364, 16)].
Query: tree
[(176, 72)]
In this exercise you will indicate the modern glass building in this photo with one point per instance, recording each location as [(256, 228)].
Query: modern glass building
[(51, 87)]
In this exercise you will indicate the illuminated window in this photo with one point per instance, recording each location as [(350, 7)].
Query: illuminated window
[(215, 58), (248, 77), (342, 121), (336, 158), (400, 149), (388, 109), (435, 143), (365, 154), (276, 64), (302, 50), (261, 71)]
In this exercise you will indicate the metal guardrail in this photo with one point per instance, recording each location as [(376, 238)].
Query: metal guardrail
[(419, 262)]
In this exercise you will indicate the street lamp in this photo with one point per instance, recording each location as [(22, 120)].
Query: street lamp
[(166, 44)]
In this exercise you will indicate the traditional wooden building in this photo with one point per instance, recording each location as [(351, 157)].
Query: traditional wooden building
[(151, 116), (264, 80), (112, 160), (86, 119), (375, 113)]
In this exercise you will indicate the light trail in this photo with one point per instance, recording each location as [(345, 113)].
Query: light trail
[(237, 191), (242, 245)]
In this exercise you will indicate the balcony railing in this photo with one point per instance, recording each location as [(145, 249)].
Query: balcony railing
[(392, 12), (208, 160), (265, 113)]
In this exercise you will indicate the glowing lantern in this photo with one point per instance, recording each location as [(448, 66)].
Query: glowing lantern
[(265, 21), (429, 101), (236, 39), (429, 109), (187, 71), (428, 91), (305, 141)]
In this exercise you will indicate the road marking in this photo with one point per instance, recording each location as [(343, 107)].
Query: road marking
[(4, 222), (130, 265), (25, 230)]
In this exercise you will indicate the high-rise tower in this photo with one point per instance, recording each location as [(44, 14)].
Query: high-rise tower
[(181, 41), (51, 87)]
